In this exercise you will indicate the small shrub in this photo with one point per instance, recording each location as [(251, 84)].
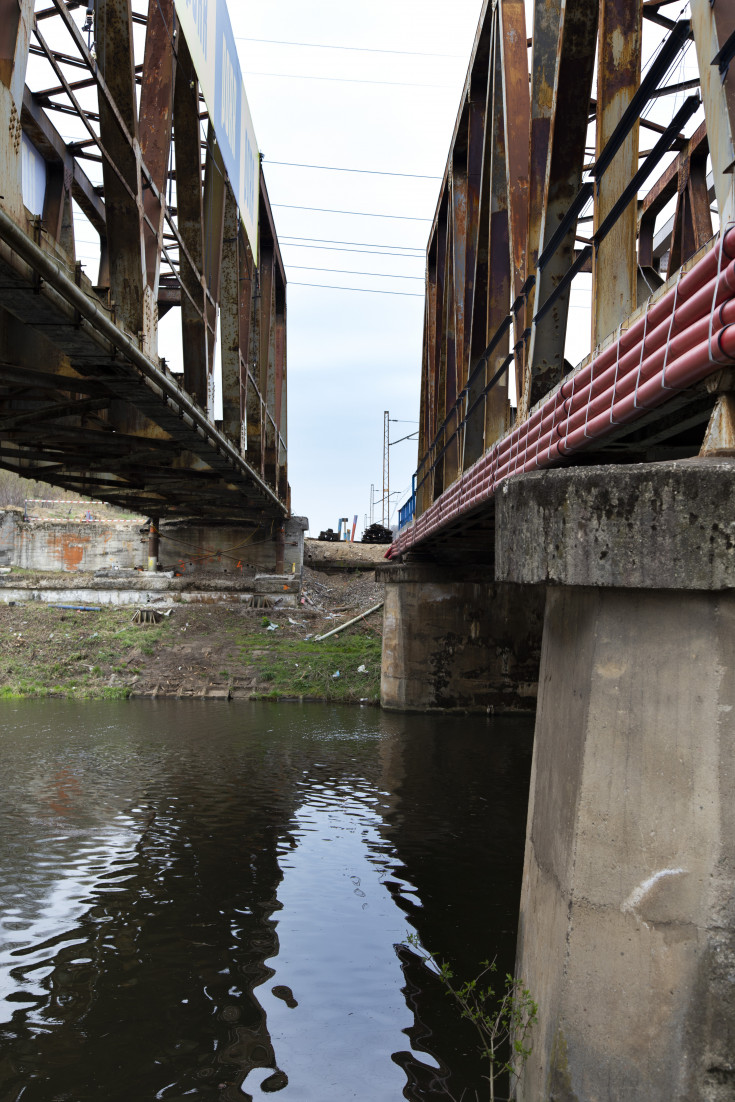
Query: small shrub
[(503, 1020)]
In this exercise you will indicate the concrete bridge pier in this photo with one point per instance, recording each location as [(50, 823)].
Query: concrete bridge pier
[(454, 640), (627, 924)]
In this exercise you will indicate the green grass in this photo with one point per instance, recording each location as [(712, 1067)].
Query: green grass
[(293, 667), (73, 656)]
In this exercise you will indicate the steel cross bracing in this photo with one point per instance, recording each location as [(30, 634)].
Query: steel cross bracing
[(523, 210), (85, 400)]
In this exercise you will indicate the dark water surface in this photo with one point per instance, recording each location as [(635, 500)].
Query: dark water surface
[(203, 901)]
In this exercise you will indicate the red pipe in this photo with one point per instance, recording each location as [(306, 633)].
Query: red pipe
[(619, 385), (601, 385), (695, 364), (699, 307), (626, 382)]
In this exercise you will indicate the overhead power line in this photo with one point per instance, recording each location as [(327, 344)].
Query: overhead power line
[(331, 241), (363, 252), (364, 290), (367, 171), (358, 213), (350, 271), (345, 80), (353, 49)]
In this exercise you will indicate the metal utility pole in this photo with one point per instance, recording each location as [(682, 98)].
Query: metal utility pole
[(386, 469), (372, 503)]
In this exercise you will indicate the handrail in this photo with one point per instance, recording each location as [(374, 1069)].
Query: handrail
[(670, 48)]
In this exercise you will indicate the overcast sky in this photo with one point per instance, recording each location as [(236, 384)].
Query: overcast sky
[(386, 99)]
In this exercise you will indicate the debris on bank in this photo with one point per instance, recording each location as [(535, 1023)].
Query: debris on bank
[(221, 651)]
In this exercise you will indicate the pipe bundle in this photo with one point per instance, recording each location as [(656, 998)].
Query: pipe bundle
[(680, 339)]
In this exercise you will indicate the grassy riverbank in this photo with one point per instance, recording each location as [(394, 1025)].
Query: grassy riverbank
[(219, 651)]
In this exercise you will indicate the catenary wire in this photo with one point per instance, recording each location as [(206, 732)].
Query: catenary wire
[(357, 213), (331, 241), (365, 290), (364, 252), (350, 271), (339, 168), (345, 80), (354, 49)]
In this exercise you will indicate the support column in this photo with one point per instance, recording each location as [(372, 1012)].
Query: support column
[(627, 924), (453, 640), (16, 20), (153, 544)]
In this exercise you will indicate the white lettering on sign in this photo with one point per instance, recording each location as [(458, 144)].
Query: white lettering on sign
[(229, 96), (198, 9), (249, 176)]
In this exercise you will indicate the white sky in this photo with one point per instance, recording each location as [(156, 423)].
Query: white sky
[(353, 355)]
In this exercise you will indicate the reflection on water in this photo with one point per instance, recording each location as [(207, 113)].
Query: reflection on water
[(205, 901)]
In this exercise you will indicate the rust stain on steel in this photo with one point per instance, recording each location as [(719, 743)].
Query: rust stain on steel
[(230, 325), (114, 46), (427, 424), (614, 276), (450, 463), (479, 177), (711, 26), (214, 221), (499, 282), (443, 246), (459, 265), (190, 216), (131, 434), (10, 17), (547, 16), (574, 66), (156, 117), (516, 108)]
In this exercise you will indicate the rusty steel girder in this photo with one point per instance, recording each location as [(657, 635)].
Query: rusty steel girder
[(522, 212), (86, 400)]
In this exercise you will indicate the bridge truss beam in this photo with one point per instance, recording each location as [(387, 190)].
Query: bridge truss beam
[(85, 400), (506, 246)]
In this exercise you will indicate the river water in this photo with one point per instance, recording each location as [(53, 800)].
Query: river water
[(209, 901)]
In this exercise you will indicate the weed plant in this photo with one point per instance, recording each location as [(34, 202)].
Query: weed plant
[(503, 1018)]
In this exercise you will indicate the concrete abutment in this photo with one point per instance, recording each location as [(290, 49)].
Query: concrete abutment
[(627, 923), (627, 918), (454, 640)]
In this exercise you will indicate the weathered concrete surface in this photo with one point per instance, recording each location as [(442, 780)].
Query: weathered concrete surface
[(455, 641), (627, 933), (627, 926), (142, 597), (233, 550), (134, 587), (648, 526), (69, 545)]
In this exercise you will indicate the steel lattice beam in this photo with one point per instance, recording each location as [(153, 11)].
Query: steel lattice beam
[(79, 360), (501, 260)]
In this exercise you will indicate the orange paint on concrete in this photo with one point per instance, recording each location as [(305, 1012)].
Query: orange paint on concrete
[(69, 549)]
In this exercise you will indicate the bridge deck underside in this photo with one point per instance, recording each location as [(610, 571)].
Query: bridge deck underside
[(78, 410), (465, 531)]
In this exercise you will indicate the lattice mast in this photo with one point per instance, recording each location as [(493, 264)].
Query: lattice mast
[(386, 469)]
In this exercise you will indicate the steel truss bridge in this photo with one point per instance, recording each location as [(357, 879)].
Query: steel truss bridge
[(545, 181), (86, 402)]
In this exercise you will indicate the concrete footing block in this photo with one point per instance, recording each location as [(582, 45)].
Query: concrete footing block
[(456, 641)]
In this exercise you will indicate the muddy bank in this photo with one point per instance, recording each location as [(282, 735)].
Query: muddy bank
[(221, 651)]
